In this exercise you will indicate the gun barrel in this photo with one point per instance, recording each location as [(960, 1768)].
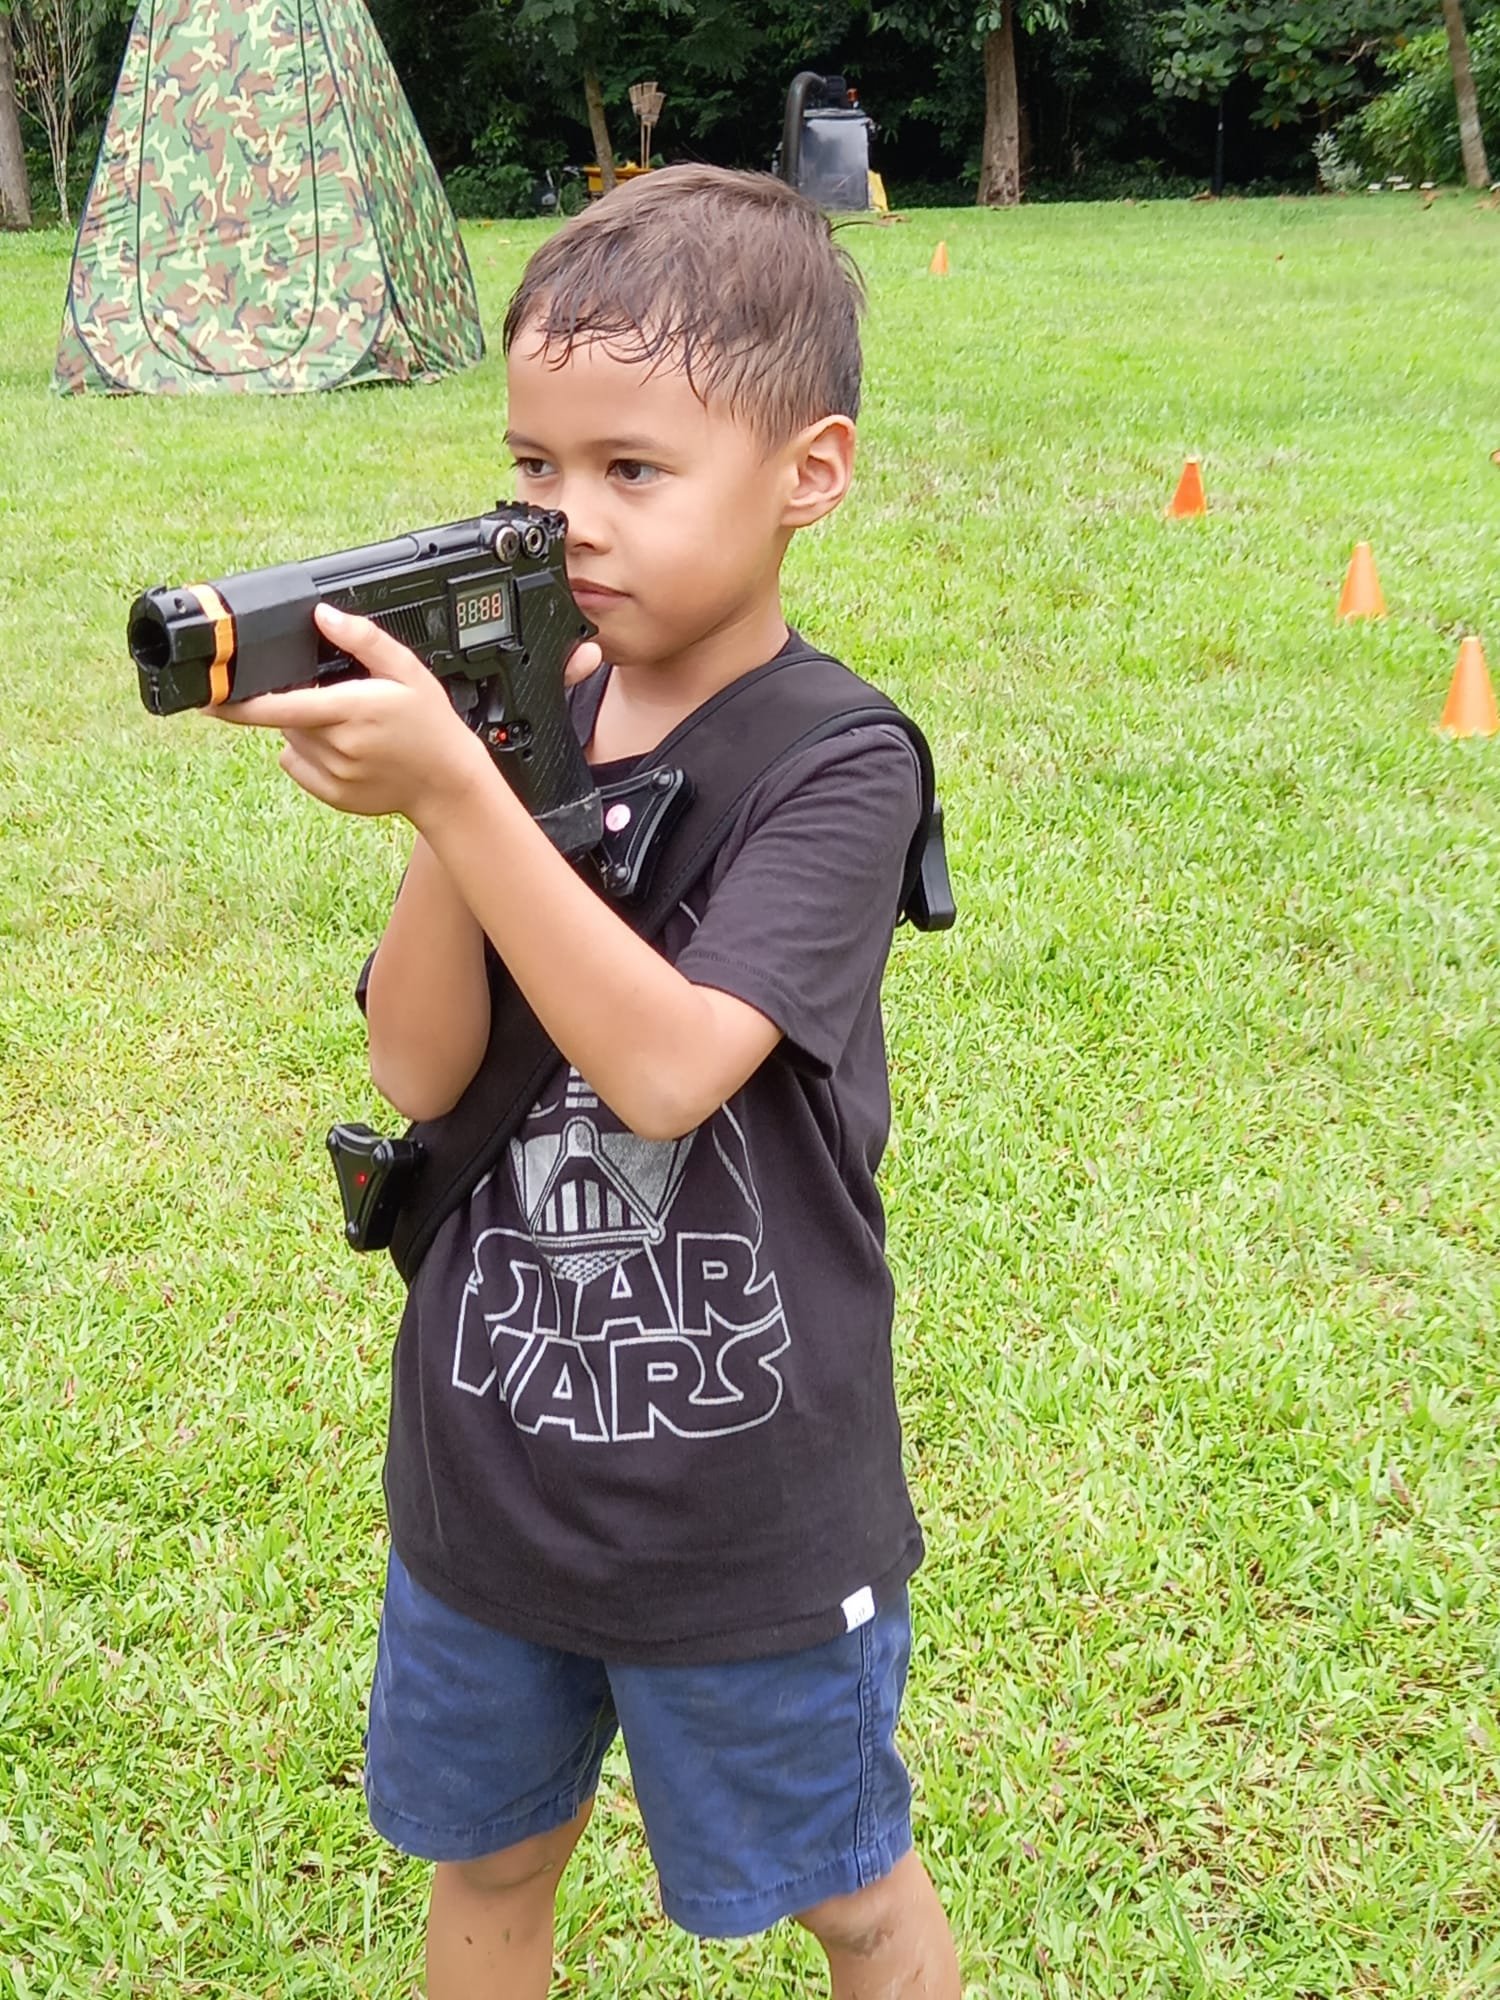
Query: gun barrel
[(173, 654)]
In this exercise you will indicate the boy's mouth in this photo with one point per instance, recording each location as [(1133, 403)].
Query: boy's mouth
[(587, 593)]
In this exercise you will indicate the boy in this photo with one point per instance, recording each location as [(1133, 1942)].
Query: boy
[(644, 1461)]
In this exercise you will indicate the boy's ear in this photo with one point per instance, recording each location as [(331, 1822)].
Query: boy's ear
[(820, 461)]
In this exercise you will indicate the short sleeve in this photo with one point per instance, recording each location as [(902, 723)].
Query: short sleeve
[(799, 923)]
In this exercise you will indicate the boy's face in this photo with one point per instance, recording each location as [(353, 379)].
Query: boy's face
[(678, 515)]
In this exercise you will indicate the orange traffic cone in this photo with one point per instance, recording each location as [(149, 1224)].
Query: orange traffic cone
[(1361, 596), (1470, 707), (1189, 497), (938, 268)]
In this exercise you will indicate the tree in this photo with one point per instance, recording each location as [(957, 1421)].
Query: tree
[(577, 36), (1000, 157), (1302, 56), (607, 46), (1476, 166), (54, 53), (956, 25), (1000, 153), (604, 146), (1412, 127), (15, 194)]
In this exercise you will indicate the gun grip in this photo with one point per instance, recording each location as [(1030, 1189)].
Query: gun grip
[(551, 775)]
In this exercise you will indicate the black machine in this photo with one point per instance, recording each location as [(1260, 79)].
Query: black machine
[(483, 603), (825, 143)]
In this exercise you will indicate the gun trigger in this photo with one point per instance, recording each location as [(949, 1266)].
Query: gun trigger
[(639, 812)]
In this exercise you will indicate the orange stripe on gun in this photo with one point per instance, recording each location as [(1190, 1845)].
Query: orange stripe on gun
[(219, 679)]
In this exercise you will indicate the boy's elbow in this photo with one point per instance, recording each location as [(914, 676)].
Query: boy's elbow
[(662, 1122), (663, 1109), (416, 1097), (417, 1109), (679, 1087)]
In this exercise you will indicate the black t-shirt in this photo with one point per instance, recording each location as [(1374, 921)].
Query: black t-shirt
[(642, 1400)]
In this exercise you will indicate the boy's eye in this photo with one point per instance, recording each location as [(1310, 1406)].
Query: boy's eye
[(533, 468), (634, 471)]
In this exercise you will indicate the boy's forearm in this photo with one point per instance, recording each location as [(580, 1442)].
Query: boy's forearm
[(427, 1002), (660, 1051)]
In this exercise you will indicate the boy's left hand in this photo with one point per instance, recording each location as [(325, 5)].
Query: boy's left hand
[(389, 744)]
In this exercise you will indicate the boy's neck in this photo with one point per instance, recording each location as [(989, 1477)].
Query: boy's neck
[(646, 700)]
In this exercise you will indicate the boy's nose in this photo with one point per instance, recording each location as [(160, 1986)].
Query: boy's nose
[(585, 519)]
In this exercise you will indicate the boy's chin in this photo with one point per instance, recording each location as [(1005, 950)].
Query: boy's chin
[(613, 635), (628, 640)]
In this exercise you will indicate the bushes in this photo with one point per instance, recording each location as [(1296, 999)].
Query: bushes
[(491, 191), (496, 182), (903, 194), (1135, 180), (1412, 129), (1337, 173)]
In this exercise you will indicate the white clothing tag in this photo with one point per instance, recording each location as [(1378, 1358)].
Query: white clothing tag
[(859, 1609)]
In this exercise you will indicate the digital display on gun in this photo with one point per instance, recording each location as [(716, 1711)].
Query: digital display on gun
[(484, 604)]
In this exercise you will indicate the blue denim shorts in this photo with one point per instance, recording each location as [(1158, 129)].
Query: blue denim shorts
[(765, 1786)]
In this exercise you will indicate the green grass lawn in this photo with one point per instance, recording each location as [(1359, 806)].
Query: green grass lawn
[(1194, 1186)]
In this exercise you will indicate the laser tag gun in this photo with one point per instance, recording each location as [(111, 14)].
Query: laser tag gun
[(484, 604)]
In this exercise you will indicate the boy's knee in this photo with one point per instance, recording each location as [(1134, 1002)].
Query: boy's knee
[(861, 1925), (530, 1865)]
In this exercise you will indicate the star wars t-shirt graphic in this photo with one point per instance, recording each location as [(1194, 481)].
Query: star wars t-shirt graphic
[(600, 1318)]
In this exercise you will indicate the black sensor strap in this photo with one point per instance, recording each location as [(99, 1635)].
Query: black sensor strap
[(724, 749)]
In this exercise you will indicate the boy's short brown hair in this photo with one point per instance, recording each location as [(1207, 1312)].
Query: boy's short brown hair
[(734, 278)]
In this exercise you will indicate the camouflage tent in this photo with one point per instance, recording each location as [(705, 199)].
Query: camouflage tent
[(264, 215)]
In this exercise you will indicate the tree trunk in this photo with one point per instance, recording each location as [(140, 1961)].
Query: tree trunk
[(51, 45), (1476, 167), (1000, 160), (15, 195), (60, 146), (604, 151)]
